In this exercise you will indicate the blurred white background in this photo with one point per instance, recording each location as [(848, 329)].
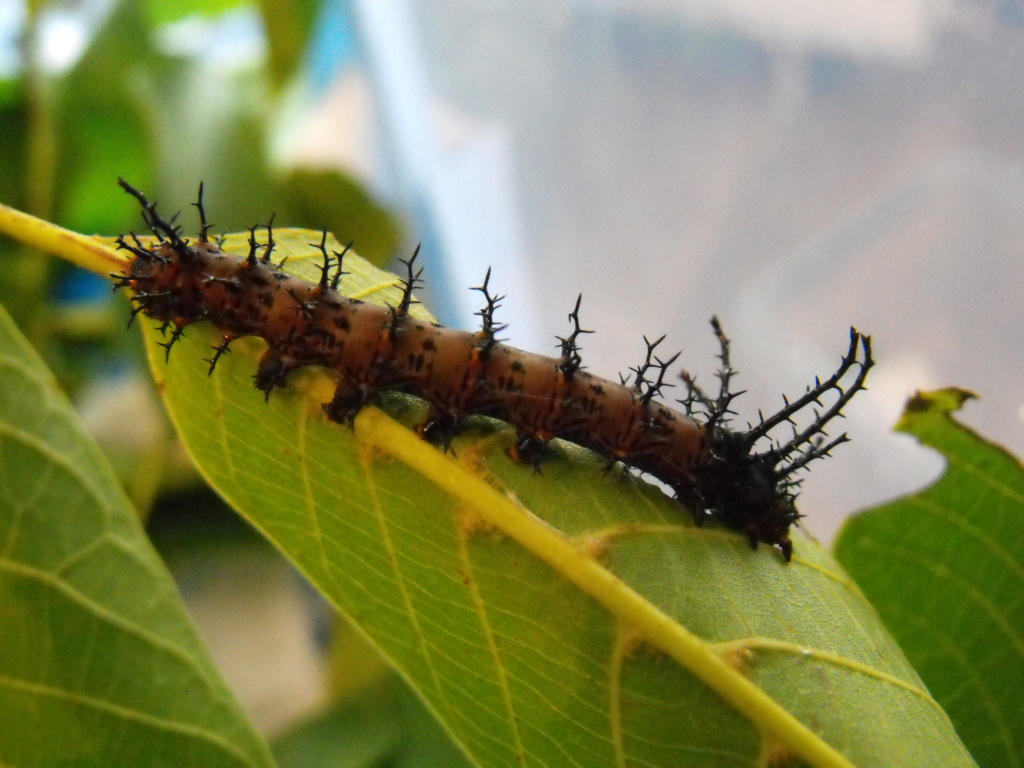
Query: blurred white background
[(792, 166)]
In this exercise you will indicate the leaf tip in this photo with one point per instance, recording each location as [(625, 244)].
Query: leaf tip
[(934, 403)]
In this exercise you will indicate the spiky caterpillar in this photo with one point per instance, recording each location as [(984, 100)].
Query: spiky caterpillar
[(713, 470)]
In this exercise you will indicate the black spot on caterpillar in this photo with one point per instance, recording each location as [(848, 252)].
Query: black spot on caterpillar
[(713, 469)]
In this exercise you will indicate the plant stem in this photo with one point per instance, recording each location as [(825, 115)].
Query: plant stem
[(87, 252)]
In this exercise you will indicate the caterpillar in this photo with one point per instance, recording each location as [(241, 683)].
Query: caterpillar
[(713, 469)]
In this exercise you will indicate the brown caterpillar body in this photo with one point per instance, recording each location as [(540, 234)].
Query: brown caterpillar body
[(714, 471)]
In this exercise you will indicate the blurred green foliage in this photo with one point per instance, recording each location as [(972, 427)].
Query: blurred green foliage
[(133, 106)]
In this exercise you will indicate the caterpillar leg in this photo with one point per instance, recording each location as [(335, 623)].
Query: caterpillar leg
[(272, 372), (349, 398), (529, 449), (440, 428)]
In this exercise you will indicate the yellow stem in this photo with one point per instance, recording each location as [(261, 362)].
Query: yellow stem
[(88, 252)]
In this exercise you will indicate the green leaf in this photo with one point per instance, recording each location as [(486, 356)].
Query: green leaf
[(571, 618), (99, 665), (169, 11), (227, 140), (387, 726), (945, 568), (332, 199), (288, 25), (13, 132), (97, 115)]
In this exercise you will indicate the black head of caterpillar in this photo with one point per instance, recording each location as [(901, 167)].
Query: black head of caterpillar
[(714, 470), (754, 492)]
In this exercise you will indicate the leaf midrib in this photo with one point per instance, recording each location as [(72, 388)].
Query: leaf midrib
[(377, 430)]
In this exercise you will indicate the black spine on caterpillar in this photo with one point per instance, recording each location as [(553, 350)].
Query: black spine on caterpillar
[(715, 471)]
